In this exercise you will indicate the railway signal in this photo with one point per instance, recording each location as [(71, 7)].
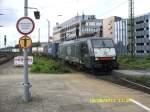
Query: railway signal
[(37, 14)]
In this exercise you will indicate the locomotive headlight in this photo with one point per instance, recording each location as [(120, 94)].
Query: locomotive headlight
[(114, 58), (96, 58)]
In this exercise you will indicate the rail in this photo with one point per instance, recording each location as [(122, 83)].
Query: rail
[(5, 57), (127, 82)]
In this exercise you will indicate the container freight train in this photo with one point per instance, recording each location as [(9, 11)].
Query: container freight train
[(51, 50), (93, 53)]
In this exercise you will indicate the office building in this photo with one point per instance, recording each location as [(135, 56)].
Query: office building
[(85, 25), (142, 35), (109, 26), (121, 36)]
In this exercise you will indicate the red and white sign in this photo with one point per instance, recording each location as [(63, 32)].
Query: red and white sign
[(25, 25), (19, 61)]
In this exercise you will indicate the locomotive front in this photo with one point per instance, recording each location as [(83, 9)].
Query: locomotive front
[(104, 54)]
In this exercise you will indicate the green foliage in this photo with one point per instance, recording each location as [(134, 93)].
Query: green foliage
[(36, 44), (126, 62), (45, 65), (142, 79)]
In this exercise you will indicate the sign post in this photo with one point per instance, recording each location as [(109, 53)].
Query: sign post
[(25, 26)]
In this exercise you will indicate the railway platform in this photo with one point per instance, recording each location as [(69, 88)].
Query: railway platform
[(73, 92)]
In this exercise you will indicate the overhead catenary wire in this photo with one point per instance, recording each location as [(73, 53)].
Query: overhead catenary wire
[(112, 9)]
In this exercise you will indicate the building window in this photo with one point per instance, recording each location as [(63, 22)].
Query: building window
[(110, 28), (139, 22), (139, 44), (147, 20), (87, 24), (140, 51), (140, 29), (110, 22), (139, 36)]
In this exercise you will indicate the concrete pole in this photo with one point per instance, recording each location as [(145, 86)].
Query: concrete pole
[(38, 41), (48, 29), (26, 84)]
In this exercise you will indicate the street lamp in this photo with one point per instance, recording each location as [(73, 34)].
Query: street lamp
[(48, 29), (59, 16), (1, 14)]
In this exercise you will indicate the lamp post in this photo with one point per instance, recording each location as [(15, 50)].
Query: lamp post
[(59, 16), (48, 29), (61, 37), (38, 41), (0, 15)]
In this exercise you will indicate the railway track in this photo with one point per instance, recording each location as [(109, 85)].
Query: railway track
[(4, 57), (114, 78), (118, 79), (125, 81)]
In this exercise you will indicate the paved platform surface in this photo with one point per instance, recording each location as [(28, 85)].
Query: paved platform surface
[(65, 93)]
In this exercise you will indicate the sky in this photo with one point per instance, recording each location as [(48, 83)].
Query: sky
[(12, 10)]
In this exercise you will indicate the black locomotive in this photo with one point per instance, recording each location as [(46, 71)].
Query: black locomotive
[(95, 53)]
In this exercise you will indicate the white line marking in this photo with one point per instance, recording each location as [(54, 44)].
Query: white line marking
[(141, 105)]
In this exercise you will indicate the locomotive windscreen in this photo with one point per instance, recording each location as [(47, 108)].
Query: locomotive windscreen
[(99, 43)]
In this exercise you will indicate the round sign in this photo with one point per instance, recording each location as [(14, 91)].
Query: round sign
[(25, 42), (25, 25)]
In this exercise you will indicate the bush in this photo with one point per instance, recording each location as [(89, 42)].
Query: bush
[(126, 62), (45, 65)]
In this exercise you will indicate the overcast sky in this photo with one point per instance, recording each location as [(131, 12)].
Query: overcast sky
[(50, 9)]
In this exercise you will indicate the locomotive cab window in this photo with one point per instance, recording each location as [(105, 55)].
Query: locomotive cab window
[(108, 43), (98, 43)]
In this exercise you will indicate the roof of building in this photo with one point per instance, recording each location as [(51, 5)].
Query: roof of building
[(76, 19)]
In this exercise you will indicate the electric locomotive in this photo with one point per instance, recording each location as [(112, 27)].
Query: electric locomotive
[(95, 53)]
